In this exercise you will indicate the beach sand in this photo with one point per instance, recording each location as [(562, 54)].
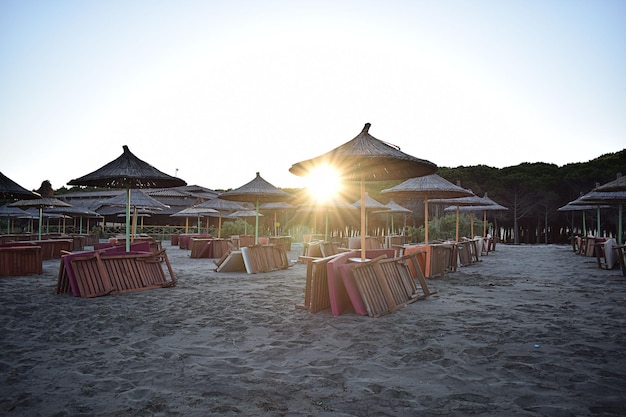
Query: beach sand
[(528, 331)]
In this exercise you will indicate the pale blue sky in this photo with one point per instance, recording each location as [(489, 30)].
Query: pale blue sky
[(222, 89)]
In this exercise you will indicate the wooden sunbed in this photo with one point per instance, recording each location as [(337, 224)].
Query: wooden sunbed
[(97, 273)]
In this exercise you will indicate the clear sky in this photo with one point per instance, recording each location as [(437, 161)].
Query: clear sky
[(218, 90)]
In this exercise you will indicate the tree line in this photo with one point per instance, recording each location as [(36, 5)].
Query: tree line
[(534, 191)]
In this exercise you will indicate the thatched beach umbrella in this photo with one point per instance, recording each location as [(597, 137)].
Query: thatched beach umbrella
[(127, 172), (608, 196), (617, 185), (138, 200), (392, 208), (76, 211), (366, 158), (10, 190), (328, 206), (370, 206), (40, 203), (11, 212), (275, 207), (219, 205), (191, 212), (472, 200), (246, 214), (430, 186), (580, 207), (257, 191)]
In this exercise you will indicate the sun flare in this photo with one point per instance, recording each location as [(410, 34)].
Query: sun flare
[(323, 183)]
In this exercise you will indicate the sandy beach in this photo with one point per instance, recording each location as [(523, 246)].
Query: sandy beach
[(528, 331)]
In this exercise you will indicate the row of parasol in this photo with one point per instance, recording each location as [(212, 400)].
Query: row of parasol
[(610, 194), (362, 159)]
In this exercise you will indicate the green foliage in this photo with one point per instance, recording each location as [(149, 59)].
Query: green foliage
[(237, 227), (444, 228)]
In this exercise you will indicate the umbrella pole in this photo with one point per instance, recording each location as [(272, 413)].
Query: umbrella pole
[(186, 224), (40, 220), (426, 220), (256, 226), (584, 224), (363, 227), (457, 223), (598, 232), (619, 223), (484, 223), (128, 219), (219, 227), (134, 228), (326, 230), (472, 225)]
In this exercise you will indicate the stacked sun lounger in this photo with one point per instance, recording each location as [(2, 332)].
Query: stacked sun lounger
[(113, 271)]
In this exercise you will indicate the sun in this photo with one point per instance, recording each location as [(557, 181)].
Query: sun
[(323, 183)]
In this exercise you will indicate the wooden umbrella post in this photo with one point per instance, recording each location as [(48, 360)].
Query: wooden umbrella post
[(256, 227), (128, 219), (426, 220), (457, 223), (363, 227), (484, 223)]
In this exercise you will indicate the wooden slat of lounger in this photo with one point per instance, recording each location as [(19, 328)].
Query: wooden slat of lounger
[(319, 297), (412, 259), (407, 281), (126, 272), (91, 277), (154, 272), (370, 289), (87, 277), (391, 274)]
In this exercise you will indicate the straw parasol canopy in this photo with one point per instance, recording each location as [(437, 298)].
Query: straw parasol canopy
[(571, 206), (244, 214), (126, 172), (137, 200), (587, 205), (40, 203), (257, 191), (190, 212), (219, 205), (336, 206), (618, 184), (275, 207), (75, 211), (12, 212), (430, 186), (393, 208), (9, 190), (457, 203), (366, 158), (370, 205), (610, 194)]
